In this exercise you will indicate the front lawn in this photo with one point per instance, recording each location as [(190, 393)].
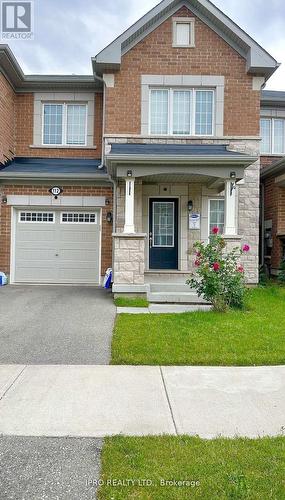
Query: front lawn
[(211, 469), (255, 336), (130, 302)]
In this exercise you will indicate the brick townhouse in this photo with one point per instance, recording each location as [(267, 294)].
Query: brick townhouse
[(272, 234), (159, 145)]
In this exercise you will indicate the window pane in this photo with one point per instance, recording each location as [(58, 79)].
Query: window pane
[(265, 131), (204, 112), (159, 112), (76, 124), (52, 124), (183, 33), (279, 135), (217, 215), (163, 224), (181, 112)]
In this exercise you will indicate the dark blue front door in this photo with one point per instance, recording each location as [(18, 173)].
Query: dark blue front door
[(163, 233)]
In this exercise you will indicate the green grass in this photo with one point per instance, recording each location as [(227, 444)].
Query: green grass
[(130, 302), (255, 336), (224, 468)]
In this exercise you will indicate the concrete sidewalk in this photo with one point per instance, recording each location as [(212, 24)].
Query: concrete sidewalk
[(97, 401)]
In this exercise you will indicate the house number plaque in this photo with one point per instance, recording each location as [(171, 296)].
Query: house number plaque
[(56, 191)]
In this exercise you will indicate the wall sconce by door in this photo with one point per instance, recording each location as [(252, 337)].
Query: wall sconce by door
[(109, 217), (190, 206)]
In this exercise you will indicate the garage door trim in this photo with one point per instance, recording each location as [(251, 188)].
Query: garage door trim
[(15, 210)]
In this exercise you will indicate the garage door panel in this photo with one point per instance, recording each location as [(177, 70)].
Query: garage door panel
[(30, 255), (36, 274), (38, 236), (78, 255), (56, 252), (79, 236), (78, 275)]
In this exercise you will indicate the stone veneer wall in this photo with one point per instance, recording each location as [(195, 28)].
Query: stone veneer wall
[(247, 207), (128, 259)]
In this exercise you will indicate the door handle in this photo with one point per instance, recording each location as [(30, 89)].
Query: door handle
[(150, 240), (56, 254)]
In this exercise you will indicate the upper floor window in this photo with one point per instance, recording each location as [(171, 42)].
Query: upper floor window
[(183, 32), (272, 135), (64, 124), (181, 112)]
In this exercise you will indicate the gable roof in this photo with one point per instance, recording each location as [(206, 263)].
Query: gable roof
[(259, 61)]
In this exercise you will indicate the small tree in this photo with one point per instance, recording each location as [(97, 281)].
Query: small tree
[(219, 277)]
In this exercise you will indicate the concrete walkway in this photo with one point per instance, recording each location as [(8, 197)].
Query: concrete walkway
[(97, 401)]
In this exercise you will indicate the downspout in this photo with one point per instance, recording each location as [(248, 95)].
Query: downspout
[(100, 79), (262, 223)]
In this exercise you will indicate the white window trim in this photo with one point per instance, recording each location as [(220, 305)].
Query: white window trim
[(64, 123), (79, 222), (221, 198), (183, 20), (193, 113), (35, 221), (271, 138)]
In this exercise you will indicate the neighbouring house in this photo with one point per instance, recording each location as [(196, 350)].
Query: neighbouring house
[(128, 167), (272, 180)]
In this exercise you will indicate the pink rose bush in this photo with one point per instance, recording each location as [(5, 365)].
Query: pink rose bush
[(219, 277)]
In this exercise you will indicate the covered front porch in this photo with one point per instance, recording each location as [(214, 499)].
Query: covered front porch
[(166, 199)]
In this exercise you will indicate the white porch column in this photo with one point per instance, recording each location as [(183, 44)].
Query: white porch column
[(230, 208), (129, 226)]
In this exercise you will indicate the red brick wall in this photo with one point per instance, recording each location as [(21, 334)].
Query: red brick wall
[(211, 56), (7, 120), (274, 209), (266, 161), (24, 132), (5, 224)]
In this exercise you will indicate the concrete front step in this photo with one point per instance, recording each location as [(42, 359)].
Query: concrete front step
[(175, 298), (170, 287)]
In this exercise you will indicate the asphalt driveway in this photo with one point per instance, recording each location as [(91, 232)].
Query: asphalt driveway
[(55, 325)]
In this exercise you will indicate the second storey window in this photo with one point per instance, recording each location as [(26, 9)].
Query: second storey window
[(64, 124), (181, 112), (272, 135)]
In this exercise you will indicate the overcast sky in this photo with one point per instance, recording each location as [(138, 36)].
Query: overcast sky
[(69, 32)]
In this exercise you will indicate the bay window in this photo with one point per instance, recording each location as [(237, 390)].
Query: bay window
[(181, 112), (64, 124), (272, 135)]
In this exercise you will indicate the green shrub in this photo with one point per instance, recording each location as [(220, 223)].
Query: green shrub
[(281, 274), (219, 277)]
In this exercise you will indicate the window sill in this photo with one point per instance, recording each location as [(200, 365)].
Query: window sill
[(278, 155), (183, 46), (44, 146)]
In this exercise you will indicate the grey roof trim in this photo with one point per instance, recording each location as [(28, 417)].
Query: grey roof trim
[(35, 175), (11, 69), (275, 168), (258, 60), (273, 98), (186, 159)]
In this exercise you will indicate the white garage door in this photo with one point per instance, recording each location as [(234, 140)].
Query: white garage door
[(57, 246)]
